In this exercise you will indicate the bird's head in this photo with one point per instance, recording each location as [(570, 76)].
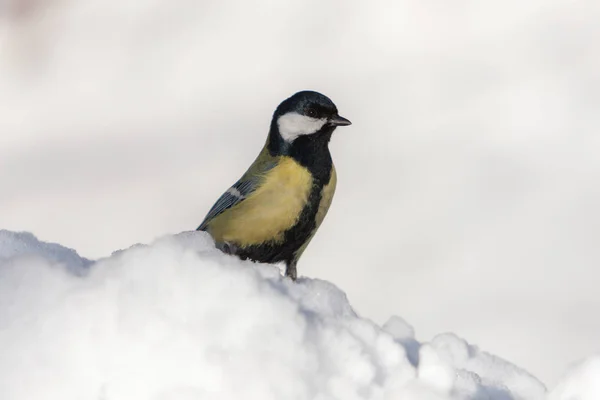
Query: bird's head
[(306, 113)]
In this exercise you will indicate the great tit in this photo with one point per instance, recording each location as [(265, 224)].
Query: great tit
[(273, 211)]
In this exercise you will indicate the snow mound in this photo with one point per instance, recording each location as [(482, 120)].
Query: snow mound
[(179, 320), (14, 244), (582, 382)]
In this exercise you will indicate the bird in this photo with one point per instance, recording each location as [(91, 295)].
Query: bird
[(273, 211)]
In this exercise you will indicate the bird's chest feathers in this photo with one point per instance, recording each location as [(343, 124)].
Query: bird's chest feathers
[(272, 209)]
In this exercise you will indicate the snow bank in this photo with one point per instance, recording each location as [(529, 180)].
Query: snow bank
[(474, 145), (179, 320), (582, 383), (19, 244)]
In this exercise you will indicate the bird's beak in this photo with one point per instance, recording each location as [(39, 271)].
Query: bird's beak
[(336, 120)]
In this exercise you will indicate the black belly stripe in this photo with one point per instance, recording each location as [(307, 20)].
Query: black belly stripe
[(294, 238), (311, 152)]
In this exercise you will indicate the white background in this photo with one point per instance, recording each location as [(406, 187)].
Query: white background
[(469, 183)]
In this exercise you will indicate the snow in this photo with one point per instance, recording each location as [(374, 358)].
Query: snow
[(177, 319), (467, 197), (581, 383), (14, 244)]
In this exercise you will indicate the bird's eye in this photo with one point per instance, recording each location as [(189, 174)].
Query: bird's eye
[(311, 112)]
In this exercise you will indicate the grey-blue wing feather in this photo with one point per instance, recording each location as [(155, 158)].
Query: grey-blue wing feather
[(235, 194)]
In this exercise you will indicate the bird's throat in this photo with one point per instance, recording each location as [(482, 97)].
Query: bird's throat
[(310, 151)]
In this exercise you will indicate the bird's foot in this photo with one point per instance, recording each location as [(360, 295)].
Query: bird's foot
[(290, 270)]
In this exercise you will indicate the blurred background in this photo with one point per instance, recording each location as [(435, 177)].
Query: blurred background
[(468, 194)]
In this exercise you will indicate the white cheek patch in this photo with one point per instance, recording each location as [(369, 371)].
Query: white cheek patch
[(292, 125)]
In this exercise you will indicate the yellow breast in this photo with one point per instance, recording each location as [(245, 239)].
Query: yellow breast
[(269, 211), (326, 198)]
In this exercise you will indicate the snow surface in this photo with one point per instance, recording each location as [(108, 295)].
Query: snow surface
[(468, 182), (179, 320), (583, 383)]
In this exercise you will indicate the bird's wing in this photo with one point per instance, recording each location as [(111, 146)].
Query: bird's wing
[(234, 195), (242, 188)]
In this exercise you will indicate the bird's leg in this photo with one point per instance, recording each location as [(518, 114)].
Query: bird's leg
[(290, 269)]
